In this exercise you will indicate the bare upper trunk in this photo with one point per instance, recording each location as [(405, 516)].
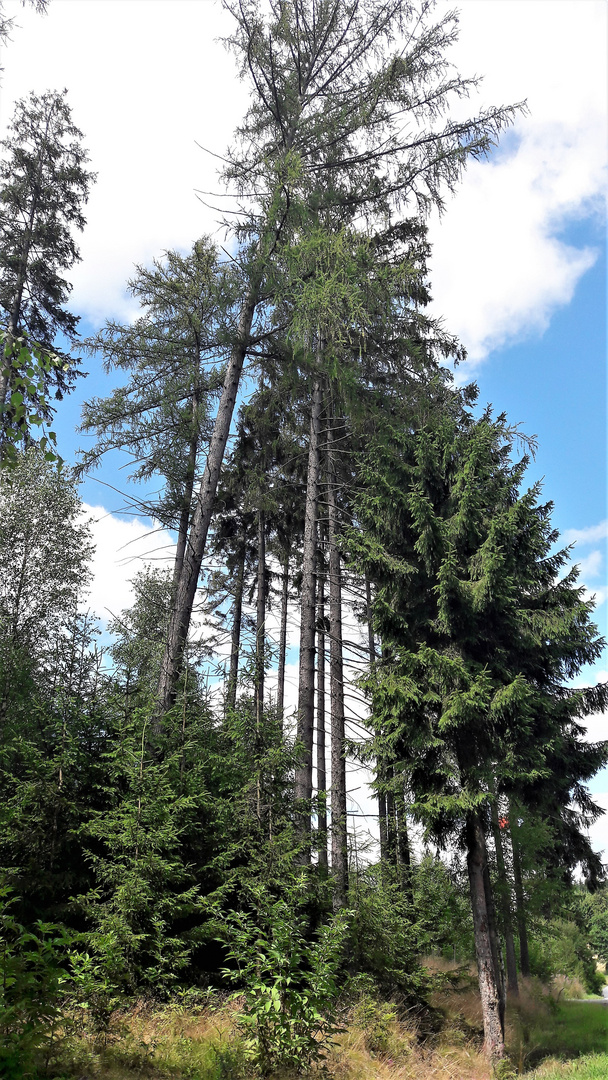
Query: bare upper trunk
[(184, 518), (321, 765), (522, 930), (283, 635), (490, 1005), (391, 827), (339, 837), (260, 623), (235, 637), (306, 672), (185, 591)]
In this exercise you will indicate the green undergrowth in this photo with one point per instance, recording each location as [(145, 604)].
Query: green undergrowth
[(571, 1039), (589, 1067)]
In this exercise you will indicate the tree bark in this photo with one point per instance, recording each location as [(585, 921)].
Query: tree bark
[(476, 859), (403, 846), (391, 831), (260, 622), (306, 672), (495, 942), (235, 638), (339, 836), (383, 836), (504, 892), (321, 765), (185, 592), (522, 930), (283, 636), (184, 518)]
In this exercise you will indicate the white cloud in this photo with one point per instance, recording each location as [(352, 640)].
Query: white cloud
[(499, 268), (148, 79), (590, 535), (145, 81), (591, 565), (123, 546), (598, 832)]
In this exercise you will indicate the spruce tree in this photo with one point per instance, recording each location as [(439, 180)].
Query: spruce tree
[(44, 184)]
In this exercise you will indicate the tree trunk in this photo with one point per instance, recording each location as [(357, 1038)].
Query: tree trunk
[(339, 836), (235, 642), (391, 831), (283, 636), (494, 942), (403, 846), (321, 766), (379, 769), (260, 621), (184, 518), (183, 600), (306, 672), (522, 931), (476, 859), (504, 893)]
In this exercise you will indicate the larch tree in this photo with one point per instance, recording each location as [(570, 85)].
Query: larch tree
[(300, 151)]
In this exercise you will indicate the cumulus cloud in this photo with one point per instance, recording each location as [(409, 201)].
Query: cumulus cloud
[(598, 832), (591, 565), (123, 546), (500, 268), (146, 83), (591, 535), (157, 81)]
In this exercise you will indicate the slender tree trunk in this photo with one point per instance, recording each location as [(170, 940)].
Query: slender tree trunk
[(504, 892), (260, 622), (495, 943), (321, 766), (235, 639), (184, 518), (379, 769), (391, 831), (403, 846), (183, 601), (306, 673), (283, 635), (339, 836), (476, 859), (522, 930)]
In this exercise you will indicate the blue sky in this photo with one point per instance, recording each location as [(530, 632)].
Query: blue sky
[(519, 258)]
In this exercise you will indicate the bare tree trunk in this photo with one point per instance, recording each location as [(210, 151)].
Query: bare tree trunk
[(391, 830), (321, 766), (283, 636), (379, 770), (235, 642), (306, 672), (495, 943), (403, 846), (185, 592), (260, 621), (504, 893), (522, 930), (490, 1006), (339, 836), (184, 518)]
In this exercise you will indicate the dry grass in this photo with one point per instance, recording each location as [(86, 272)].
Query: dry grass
[(379, 1042)]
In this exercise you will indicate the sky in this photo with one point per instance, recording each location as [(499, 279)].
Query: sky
[(518, 269)]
